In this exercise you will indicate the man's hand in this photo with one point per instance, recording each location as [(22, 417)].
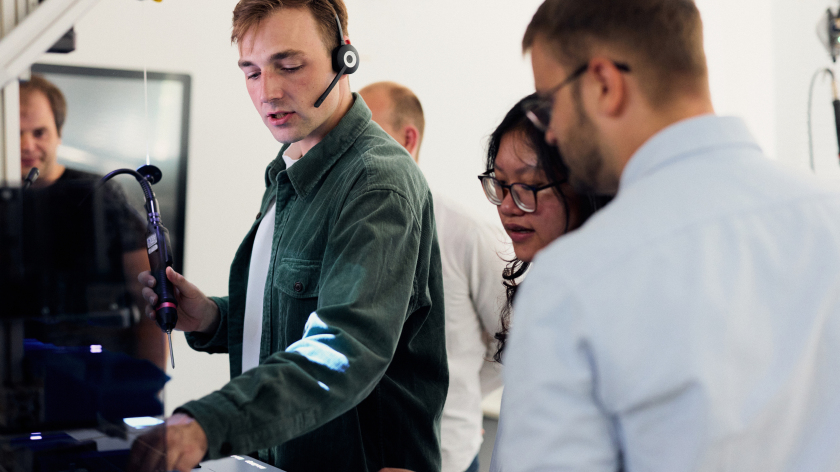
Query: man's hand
[(196, 312), (185, 446), (186, 443)]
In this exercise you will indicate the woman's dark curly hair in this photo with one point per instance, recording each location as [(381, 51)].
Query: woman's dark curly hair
[(551, 164)]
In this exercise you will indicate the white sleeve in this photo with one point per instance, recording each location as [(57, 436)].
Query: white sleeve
[(488, 294), (553, 420)]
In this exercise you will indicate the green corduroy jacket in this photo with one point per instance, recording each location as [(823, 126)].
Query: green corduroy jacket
[(352, 373)]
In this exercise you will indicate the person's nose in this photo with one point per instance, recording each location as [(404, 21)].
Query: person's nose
[(271, 87), (508, 206), (27, 142)]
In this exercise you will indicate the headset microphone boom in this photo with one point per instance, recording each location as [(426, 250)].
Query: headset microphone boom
[(345, 60)]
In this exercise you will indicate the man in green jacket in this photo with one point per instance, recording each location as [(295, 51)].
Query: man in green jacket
[(334, 320)]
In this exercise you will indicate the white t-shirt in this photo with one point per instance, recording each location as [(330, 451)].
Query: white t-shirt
[(257, 275)]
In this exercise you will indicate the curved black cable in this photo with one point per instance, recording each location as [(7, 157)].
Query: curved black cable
[(147, 188)]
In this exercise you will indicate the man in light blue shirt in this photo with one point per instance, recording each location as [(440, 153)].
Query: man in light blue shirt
[(694, 323)]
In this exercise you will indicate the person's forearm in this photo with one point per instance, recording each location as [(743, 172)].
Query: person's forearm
[(151, 342), (135, 262)]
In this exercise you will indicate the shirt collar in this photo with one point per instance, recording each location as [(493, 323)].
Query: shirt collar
[(319, 160), (683, 139)]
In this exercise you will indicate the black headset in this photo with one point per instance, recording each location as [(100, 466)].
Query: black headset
[(345, 60)]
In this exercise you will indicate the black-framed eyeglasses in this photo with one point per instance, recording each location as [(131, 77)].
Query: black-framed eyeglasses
[(524, 196), (538, 109)]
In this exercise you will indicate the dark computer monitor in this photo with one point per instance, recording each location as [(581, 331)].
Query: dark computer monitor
[(73, 354), (107, 129)]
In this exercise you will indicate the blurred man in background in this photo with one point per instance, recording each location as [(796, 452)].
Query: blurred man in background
[(91, 242)]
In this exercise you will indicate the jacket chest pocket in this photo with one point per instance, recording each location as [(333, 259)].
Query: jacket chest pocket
[(297, 282), (298, 278)]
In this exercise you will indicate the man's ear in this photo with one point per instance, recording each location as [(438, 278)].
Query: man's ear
[(411, 140), (611, 92)]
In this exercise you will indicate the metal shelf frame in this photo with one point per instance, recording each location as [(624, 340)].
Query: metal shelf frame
[(28, 29)]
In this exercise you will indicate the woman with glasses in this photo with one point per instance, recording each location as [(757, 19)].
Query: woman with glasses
[(527, 180)]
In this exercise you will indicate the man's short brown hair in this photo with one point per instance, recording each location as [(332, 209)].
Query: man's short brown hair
[(54, 96), (249, 13), (663, 39)]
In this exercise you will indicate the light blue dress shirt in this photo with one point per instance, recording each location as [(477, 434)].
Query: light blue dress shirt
[(691, 325)]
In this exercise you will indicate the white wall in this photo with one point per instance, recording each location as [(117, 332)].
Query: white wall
[(798, 55), (762, 55), (463, 59), (736, 36)]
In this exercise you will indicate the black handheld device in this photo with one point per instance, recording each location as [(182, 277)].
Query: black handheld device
[(159, 250)]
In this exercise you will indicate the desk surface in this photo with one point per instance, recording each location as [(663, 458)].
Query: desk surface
[(236, 464)]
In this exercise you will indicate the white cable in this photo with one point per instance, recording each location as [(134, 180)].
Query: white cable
[(824, 71), (145, 79)]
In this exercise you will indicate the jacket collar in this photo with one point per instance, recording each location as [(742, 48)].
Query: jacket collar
[(683, 139), (312, 167)]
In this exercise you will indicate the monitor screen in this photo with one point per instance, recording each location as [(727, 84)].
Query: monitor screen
[(114, 122)]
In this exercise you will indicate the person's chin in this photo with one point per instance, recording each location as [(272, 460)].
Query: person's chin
[(524, 252), (286, 135), (289, 132)]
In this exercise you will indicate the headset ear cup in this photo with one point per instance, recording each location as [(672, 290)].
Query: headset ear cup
[(345, 55)]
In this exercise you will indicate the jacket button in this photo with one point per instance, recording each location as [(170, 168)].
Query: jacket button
[(298, 287), (259, 215)]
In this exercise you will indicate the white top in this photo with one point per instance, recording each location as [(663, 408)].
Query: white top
[(691, 325), (257, 278), (472, 265)]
